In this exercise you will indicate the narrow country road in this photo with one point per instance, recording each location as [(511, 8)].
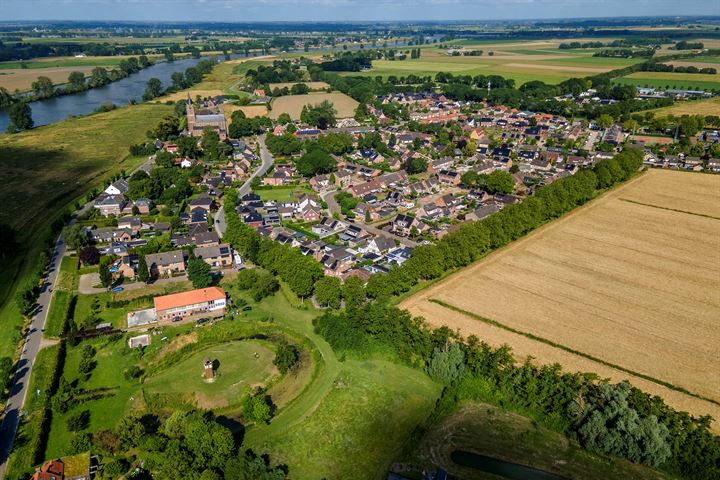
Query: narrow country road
[(31, 346)]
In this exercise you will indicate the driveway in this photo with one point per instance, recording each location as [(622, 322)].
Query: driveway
[(89, 279)]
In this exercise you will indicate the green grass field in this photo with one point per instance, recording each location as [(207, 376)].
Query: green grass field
[(521, 64), (282, 194), (688, 81), (47, 168), (239, 368), (64, 62)]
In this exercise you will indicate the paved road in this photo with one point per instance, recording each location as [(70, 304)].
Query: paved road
[(219, 222), (32, 345), (333, 205), (267, 161)]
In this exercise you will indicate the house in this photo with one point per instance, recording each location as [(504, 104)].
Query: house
[(483, 212), (126, 266), (202, 202), (364, 211), (327, 226), (380, 245), (143, 205), (203, 302), (110, 204), (217, 256), (205, 238), (162, 264), (108, 235), (399, 255), (81, 466), (118, 187), (362, 189), (449, 176), (134, 224), (52, 470), (402, 224)]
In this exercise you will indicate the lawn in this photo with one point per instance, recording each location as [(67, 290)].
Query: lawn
[(47, 168), (239, 365), (282, 194)]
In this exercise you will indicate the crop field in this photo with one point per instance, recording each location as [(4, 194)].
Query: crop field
[(689, 81), (625, 287), (710, 106), (250, 111), (293, 104), (522, 62), (22, 79)]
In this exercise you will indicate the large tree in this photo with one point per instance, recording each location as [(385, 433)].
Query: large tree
[(500, 181), (321, 115), (199, 273), (143, 273), (315, 162), (153, 90), (20, 117), (43, 87), (328, 291)]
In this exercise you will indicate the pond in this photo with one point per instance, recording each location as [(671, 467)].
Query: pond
[(499, 467)]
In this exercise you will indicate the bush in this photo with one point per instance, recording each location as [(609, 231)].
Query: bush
[(260, 283), (286, 357)]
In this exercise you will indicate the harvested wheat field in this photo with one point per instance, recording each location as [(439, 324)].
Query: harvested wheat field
[(293, 104), (250, 111), (628, 290), (21, 79)]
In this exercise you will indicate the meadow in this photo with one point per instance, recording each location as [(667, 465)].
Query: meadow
[(688, 81), (522, 62), (47, 168), (293, 104), (611, 270), (710, 106)]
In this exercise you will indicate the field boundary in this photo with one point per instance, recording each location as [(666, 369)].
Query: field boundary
[(668, 208), (560, 346)]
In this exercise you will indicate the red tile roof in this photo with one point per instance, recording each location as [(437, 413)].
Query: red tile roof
[(189, 298)]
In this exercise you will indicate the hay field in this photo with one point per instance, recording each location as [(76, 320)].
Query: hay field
[(250, 111), (310, 85), (690, 81), (293, 104), (632, 285), (22, 78), (700, 107)]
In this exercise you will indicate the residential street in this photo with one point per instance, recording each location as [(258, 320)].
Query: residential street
[(403, 240), (219, 221), (32, 345), (267, 161), (329, 198)]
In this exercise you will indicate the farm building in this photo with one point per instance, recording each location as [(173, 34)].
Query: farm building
[(209, 302)]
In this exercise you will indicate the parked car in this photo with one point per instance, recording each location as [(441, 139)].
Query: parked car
[(176, 319), (117, 289), (200, 321)]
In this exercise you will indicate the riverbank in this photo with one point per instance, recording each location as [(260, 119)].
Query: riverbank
[(45, 171)]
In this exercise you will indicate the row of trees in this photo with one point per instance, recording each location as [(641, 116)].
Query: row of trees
[(476, 239), (300, 272)]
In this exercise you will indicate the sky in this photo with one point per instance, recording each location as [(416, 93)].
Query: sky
[(343, 10)]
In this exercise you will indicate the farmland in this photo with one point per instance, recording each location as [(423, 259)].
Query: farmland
[(690, 81), (610, 270), (310, 85), (710, 106), (22, 79), (293, 104), (522, 62)]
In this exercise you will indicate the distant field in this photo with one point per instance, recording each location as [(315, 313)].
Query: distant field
[(311, 85), (292, 104), (689, 81), (114, 40), (51, 62), (612, 282), (517, 61), (22, 79), (710, 106), (250, 111)]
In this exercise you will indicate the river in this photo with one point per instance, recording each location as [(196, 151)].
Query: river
[(119, 93)]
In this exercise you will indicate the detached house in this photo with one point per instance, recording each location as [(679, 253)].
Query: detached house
[(162, 264), (217, 256), (110, 204), (119, 187)]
